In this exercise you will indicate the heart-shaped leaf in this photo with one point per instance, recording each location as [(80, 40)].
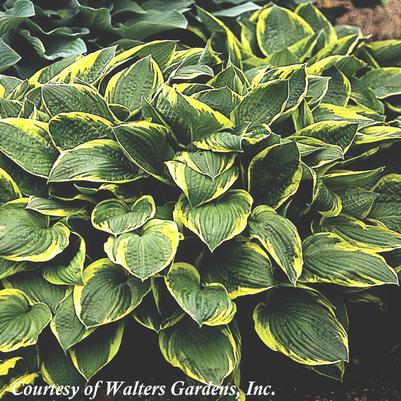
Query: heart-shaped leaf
[(217, 221), (8, 188), (207, 354), (21, 320), (96, 351), (28, 236), (207, 304), (243, 268), (116, 217), (147, 252), (94, 161), (301, 324), (109, 293)]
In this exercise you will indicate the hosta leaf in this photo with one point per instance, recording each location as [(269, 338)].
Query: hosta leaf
[(67, 267), (8, 56), (136, 85), (364, 96), (21, 320), (28, 144), (198, 187), (366, 237), (116, 217), (207, 304), (277, 28), (340, 133), (69, 130), (54, 207), (341, 180), (327, 202), (357, 202), (339, 90), (36, 288), (377, 134), (57, 369), (109, 293), (189, 113), (97, 350), (262, 105), (217, 221), (274, 174), (95, 161), (223, 100), (330, 259), (206, 354), (89, 69), (8, 188), (279, 237), (147, 252), (28, 236), (9, 267), (386, 208), (158, 310), (243, 268), (66, 326), (302, 325), (331, 112), (384, 82), (145, 144), (65, 98)]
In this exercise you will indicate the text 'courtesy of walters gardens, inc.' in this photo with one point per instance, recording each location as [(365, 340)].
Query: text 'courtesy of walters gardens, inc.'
[(128, 389)]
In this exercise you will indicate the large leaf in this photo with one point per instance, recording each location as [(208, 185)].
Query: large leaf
[(36, 288), (65, 98), (69, 130), (147, 252), (28, 144), (136, 85), (384, 82), (95, 161), (207, 304), (207, 354), (340, 133), (197, 186), (280, 238), (330, 259), (21, 320), (67, 267), (89, 69), (145, 144), (66, 326), (302, 325), (361, 235), (116, 217), (217, 221), (262, 105), (386, 207), (109, 293), (278, 28), (242, 267), (28, 236), (274, 174), (96, 351)]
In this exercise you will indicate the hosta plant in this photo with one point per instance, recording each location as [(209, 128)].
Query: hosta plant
[(33, 33), (162, 184)]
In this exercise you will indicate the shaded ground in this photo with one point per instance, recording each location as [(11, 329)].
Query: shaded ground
[(380, 22)]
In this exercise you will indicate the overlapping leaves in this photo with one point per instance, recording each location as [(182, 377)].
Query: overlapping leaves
[(164, 182)]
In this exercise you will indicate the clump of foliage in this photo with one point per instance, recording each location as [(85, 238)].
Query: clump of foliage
[(33, 33), (164, 183)]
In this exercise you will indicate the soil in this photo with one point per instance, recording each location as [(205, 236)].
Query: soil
[(381, 22)]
